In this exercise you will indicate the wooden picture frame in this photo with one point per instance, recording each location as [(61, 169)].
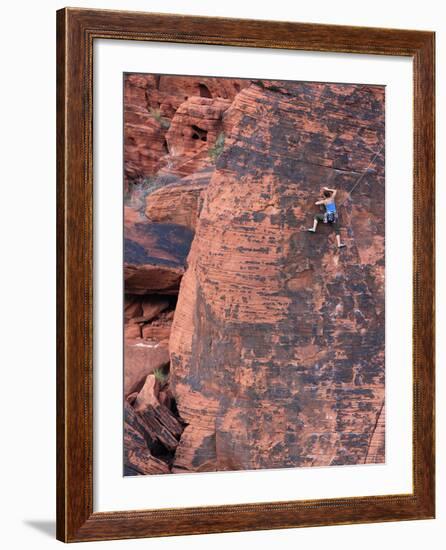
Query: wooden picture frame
[(76, 31)]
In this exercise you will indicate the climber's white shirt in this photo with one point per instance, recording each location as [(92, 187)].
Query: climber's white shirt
[(111, 490)]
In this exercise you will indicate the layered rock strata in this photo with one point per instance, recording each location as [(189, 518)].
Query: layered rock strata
[(151, 103), (277, 346), (273, 355)]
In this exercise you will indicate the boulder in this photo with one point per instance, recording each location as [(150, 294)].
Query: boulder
[(179, 203), (166, 244), (162, 424), (138, 460), (154, 255), (140, 359), (147, 278), (147, 395)]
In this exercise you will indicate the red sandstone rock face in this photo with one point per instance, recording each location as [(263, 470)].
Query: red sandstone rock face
[(376, 450), (142, 358), (146, 278), (154, 255), (155, 426), (179, 203), (144, 141), (194, 130), (277, 346), (171, 125), (151, 101)]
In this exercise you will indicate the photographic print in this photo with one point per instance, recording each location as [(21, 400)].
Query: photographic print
[(254, 270)]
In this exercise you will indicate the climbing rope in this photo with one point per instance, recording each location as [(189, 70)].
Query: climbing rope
[(362, 175), (318, 99)]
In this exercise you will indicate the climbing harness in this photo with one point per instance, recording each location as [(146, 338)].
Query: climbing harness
[(330, 217)]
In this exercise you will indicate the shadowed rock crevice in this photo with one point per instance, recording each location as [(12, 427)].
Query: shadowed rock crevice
[(199, 133), (152, 427)]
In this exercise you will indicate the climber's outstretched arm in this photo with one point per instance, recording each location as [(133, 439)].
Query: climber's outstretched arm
[(318, 203)]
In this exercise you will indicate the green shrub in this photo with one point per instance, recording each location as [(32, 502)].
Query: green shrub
[(217, 149), (157, 115), (160, 375)]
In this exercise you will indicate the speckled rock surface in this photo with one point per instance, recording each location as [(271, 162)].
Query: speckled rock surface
[(277, 345), (276, 342)]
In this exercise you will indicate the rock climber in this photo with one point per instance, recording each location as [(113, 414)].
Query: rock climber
[(330, 216)]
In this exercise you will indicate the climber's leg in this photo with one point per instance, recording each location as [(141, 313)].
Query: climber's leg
[(318, 218), (338, 236), (338, 240), (313, 229)]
